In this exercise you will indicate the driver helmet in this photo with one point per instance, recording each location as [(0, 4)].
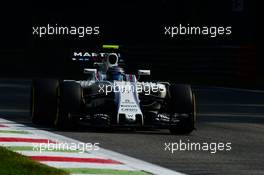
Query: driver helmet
[(115, 73)]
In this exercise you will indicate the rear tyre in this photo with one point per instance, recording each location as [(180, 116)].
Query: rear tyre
[(182, 102), (44, 101), (69, 104)]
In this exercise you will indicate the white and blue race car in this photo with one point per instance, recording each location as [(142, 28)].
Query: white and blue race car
[(109, 98)]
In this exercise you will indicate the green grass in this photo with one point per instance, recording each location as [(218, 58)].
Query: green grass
[(12, 163)]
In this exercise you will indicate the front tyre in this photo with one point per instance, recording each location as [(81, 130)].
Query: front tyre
[(44, 101), (70, 96), (182, 108)]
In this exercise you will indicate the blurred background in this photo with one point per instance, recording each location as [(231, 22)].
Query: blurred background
[(138, 27)]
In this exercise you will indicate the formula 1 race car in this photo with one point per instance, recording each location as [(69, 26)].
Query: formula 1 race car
[(109, 98)]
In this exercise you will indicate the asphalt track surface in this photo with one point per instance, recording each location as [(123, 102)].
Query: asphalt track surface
[(224, 115)]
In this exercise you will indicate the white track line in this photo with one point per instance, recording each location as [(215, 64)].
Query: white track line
[(11, 135), (36, 145)]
